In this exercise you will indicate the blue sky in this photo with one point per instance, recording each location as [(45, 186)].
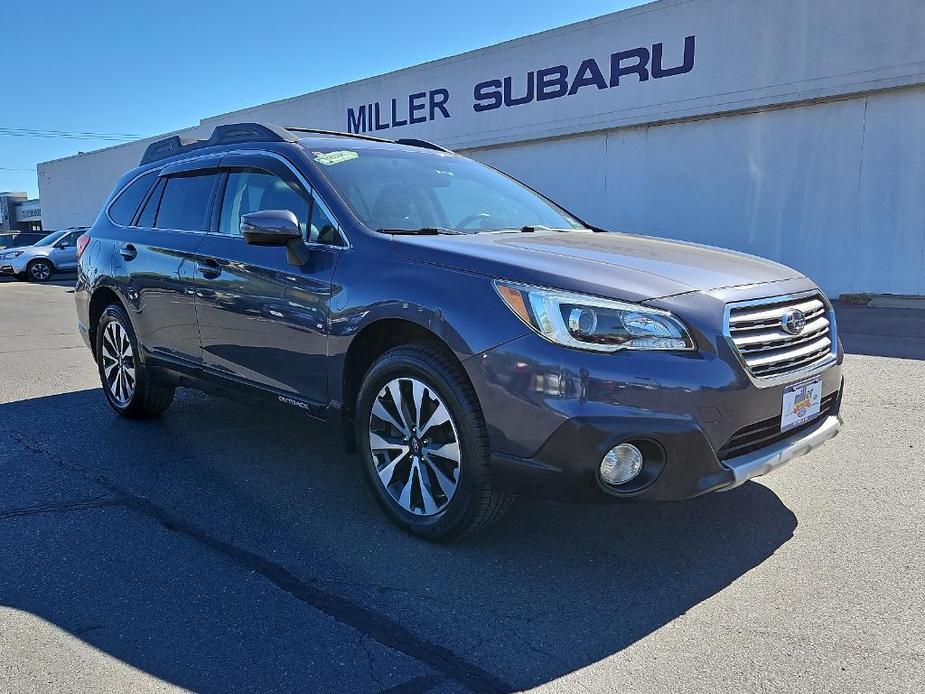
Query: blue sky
[(145, 68)]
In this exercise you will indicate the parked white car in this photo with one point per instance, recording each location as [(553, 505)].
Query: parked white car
[(57, 252)]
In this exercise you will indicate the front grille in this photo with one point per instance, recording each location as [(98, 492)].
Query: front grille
[(766, 432), (756, 330)]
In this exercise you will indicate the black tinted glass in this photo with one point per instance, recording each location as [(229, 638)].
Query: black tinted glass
[(185, 203), (126, 205), (146, 218)]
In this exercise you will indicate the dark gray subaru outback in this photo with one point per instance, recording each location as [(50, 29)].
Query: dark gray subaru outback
[(471, 339)]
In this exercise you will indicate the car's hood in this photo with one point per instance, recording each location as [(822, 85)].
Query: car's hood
[(23, 250), (624, 266)]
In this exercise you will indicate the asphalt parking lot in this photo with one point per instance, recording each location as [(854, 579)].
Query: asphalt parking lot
[(222, 548)]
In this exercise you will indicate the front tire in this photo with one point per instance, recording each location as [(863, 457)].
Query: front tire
[(424, 445), (129, 386), (39, 271)]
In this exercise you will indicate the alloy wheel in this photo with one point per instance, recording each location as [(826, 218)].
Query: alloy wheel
[(40, 271), (415, 446), (118, 363)]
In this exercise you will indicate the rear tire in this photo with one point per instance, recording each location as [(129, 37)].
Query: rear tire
[(39, 270), (424, 445), (129, 386)]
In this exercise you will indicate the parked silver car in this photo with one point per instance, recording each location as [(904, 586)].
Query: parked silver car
[(57, 252)]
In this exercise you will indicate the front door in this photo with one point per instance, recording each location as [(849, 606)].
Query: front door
[(263, 321)]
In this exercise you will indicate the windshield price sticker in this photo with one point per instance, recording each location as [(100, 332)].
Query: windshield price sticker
[(338, 157)]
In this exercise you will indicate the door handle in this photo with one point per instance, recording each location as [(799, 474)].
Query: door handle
[(128, 251), (208, 268)]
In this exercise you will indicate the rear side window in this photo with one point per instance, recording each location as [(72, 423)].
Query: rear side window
[(123, 209), (185, 203)]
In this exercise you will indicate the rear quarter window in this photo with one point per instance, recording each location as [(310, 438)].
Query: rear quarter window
[(123, 209)]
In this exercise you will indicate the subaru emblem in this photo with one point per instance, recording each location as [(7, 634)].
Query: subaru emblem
[(793, 321)]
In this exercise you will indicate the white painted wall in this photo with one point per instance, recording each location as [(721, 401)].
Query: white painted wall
[(797, 134), (834, 189)]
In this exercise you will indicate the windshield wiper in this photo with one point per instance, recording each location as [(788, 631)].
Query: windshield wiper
[(529, 229), (423, 231)]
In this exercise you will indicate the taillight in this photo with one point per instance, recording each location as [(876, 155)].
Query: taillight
[(82, 242)]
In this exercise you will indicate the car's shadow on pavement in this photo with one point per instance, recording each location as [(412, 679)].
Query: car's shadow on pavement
[(202, 547), (64, 279)]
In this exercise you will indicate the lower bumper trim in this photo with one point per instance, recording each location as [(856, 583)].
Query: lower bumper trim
[(761, 462)]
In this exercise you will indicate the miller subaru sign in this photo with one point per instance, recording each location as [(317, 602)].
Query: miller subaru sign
[(541, 84)]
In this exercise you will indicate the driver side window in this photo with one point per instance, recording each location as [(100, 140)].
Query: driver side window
[(252, 191)]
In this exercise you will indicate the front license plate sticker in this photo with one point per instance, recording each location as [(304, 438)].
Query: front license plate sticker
[(801, 403)]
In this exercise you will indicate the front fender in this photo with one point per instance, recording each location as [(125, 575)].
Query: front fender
[(462, 309)]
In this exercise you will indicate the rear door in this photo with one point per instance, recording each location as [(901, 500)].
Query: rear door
[(263, 321), (156, 259)]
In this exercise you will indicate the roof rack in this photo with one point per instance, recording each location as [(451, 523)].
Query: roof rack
[(319, 131), (222, 135), (410, 141), (257, 132)]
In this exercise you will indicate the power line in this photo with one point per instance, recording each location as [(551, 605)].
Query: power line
[(67, 134), (7, 168)]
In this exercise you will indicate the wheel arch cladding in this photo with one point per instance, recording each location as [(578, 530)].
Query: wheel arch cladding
[(101, 298), (367, 346)]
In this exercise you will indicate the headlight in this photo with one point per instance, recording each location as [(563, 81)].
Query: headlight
[(589, 322), (11, 254)]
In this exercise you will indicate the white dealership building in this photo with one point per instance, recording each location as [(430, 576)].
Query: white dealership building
[(792, 129)]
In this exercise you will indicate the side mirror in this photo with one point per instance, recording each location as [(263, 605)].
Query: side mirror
[(63, 244), (270, 227), (276, 228)]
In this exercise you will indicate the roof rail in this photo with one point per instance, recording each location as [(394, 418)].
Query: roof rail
[(257, 132), (414, 142), (222, 135), (410, 141), (319, 131)]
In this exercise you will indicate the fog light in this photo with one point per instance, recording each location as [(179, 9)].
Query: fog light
[(621, 464)]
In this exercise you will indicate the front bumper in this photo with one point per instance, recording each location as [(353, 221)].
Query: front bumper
[(14, 266), (553, 413), (763, 461)]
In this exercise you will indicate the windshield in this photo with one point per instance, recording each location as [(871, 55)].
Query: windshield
[(397, 189), (50, 239)]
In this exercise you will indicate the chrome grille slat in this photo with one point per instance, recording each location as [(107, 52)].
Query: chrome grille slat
[(819, 345), (766, 349), (790, 366), (760, 342), (772, 323), (751, 315)]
